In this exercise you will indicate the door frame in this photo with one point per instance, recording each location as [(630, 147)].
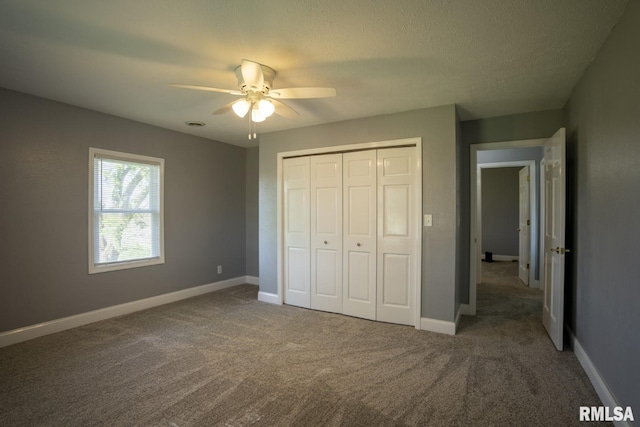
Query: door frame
[(475, 234), (532, 223), (406, 142)]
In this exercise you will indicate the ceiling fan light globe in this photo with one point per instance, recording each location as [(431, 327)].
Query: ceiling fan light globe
[(241, 107), (266, 108), (256, 116)]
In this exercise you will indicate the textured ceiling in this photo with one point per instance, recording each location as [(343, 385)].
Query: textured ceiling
[(491, 57)]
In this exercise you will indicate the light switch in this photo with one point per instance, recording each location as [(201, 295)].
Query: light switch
[(428, 220)]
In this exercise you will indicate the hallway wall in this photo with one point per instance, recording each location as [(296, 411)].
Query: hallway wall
[(602, 286)]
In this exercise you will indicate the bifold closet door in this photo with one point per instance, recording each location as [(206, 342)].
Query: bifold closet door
[(351, 233), (396, 269), (326, 232), (297, 277), (359, 234)]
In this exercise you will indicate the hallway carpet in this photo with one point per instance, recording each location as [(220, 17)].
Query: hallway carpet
[(225, 359)]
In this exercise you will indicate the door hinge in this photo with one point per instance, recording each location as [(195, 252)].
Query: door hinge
[(527, 266), (528, 178), (528, 222)]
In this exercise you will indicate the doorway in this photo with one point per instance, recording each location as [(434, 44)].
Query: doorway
[(508, 214), (498, 155), (554, 155)]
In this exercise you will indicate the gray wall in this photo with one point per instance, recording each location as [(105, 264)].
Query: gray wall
[(44, 150), (252, 211), (500, 210), (437, 127), (603, 288), (538, 124)]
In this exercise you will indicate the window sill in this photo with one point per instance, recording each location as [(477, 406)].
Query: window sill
[(125, 265)]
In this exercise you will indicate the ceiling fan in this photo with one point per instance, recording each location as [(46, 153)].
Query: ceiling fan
[(255, 86)]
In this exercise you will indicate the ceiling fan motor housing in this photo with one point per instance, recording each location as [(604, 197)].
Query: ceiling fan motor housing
[(268, 73)]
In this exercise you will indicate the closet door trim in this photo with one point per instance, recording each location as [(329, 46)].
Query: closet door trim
[(417, 142)]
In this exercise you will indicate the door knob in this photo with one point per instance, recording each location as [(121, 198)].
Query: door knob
[(518, 229), (325, 242), (358, 244)]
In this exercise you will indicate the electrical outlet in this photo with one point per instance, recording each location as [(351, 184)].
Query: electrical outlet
[(219, 269)]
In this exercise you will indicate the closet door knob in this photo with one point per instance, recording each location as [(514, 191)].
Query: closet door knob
[(358, 244), (325, 242)]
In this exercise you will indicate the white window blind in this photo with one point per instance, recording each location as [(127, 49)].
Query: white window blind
[(126, 223)]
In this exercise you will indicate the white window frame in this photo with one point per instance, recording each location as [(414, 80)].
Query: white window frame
[(134, 158)]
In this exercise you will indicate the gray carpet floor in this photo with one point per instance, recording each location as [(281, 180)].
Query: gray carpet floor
[(225, 359)]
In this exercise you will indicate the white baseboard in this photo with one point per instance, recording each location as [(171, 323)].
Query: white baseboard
[(34, 331), (605, 395), (440, 326), (253, 280), (502, 257), (270, 298)]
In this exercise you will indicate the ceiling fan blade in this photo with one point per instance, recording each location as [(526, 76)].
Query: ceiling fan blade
[(252, 74), (225, 108), (207, 88), (303, 92), (284, 110)]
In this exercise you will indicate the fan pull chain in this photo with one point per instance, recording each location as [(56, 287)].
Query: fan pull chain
[(252, 129)]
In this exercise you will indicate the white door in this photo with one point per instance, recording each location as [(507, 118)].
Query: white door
[(524, 226), (326, 232), (296, 232), (359, 234), (555, 190), (397, 234)]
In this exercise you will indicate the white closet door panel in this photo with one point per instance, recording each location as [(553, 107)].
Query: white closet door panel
[(359, 289), (361, 219), (326, 232), (297, 260), (328, 276), (396, 277), (296, 201), (359, 234), (296, 232), (326, 220), (397, 234), (397, 215)]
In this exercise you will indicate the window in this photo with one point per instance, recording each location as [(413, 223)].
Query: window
[(125, 210)]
